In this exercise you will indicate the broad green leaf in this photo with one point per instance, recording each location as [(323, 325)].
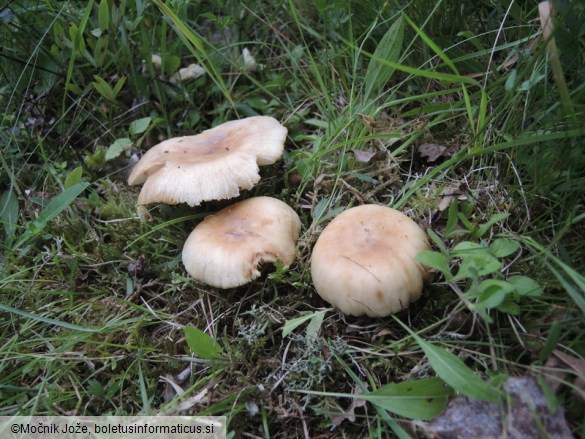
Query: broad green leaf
[(73, 177), (314, 325), (453, 371), (509, 306), (478, 264), (452, 218), (118, 147), (435, 260), (103, 15), (100, 50), (103, 88), (291, 325), (437, 241), (9, 215), (119, 85), (421, 399), (471, 228), (201, 344), (77, 38), (58, 35), (465, 247), (495, 284), (484, 228), (388, 49), (333, 213), (97, 159), (502, 247), (319, 209), (75, 89), (139, 126), (492, 293), (525, 286), (510, 83), (53, 208)]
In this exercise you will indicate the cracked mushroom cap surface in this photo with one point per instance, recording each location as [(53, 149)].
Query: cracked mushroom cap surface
[(227, 249), (363, 261), (212, 165)]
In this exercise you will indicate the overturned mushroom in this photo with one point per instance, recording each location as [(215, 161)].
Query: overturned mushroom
[(212, 165), (363, 262), (226, 249)]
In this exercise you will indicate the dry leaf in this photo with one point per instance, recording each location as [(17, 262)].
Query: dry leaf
[(368, 156), (431, 151), (368, 121), (171, 388), (452, 192), (555, 373), (382, 332), (349, 414), (577, 364)]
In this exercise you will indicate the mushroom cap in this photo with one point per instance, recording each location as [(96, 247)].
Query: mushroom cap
[(226, 249), (363, 262), (212, 165)]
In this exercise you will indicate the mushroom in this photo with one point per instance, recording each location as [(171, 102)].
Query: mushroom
[(212, 165), (226, 249), (363, 262)]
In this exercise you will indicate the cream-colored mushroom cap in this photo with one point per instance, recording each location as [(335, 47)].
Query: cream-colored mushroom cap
[(226, 249), (212, 165), (363, 261)]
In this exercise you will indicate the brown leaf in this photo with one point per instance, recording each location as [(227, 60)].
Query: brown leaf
[(577, 364), (451, 192), (431, 151), (350, 413), (382, 332)]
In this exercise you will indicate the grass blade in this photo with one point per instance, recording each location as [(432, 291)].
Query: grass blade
[(389, 47), (577, 291), (54, 208), (454, 372), (47, 320)]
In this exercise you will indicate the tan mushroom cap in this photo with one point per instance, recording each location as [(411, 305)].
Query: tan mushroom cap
[(226, 249), (363, 262), (212, 165)]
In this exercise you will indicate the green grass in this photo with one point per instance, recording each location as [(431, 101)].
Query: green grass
[(93, 301)]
